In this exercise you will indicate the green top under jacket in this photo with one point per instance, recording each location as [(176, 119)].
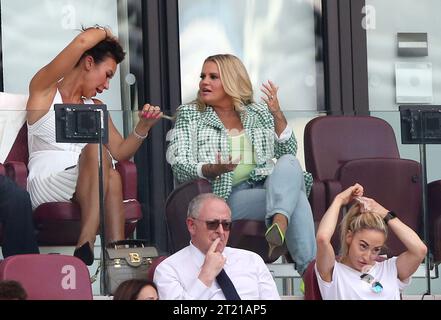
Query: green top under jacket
[(198, 136)]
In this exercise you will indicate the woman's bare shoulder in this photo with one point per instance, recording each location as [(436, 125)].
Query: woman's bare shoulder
[(38, 105)]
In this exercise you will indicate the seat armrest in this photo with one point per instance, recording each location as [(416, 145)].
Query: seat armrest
[(18, 172), (317, 199), (129, 179)]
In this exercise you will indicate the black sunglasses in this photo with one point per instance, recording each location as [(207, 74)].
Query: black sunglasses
[(214, 224)]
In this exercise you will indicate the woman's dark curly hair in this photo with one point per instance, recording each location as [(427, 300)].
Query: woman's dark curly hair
[(129, 289), (109, 47)]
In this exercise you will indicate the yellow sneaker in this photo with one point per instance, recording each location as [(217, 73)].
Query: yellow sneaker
[(302, 287), (276, 242)]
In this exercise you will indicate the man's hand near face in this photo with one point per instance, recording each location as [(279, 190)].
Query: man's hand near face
[(213, 264)]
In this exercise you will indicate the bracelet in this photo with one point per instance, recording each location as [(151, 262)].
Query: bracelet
[(136, 134), (389, 216)]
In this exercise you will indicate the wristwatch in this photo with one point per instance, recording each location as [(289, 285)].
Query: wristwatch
[(390, 215)]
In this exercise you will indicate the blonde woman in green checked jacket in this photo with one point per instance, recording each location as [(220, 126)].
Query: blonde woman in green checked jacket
[(228, 139)]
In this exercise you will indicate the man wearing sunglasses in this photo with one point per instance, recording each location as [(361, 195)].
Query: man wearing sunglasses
[(198, 271)]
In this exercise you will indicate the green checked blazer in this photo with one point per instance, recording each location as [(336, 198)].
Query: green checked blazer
[(198, 136)]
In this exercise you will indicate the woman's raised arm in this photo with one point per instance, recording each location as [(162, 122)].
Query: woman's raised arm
[(325, 252)]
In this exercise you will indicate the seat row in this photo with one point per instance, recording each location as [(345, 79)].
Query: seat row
[(339, 151)]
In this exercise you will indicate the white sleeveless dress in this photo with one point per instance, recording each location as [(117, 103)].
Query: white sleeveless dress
[(53, 169)]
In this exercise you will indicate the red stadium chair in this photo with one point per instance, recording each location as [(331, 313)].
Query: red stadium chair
[(343, 150), (49, 277), (245, 234), (155, 263)]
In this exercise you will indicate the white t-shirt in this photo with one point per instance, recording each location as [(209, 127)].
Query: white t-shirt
[(346, 283)]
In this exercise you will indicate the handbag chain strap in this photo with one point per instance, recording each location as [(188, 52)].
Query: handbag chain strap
[(131, 243), (95, 276)]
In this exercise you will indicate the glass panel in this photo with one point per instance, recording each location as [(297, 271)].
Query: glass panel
[(384, 20), (130, 36), (12, 117), (33, 32), (275, 39), (397, 76)]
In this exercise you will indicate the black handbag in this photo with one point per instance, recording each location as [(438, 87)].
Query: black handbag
[(127, 259)]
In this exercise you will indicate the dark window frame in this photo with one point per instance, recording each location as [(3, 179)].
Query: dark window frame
[(160, 86), (346, 74)]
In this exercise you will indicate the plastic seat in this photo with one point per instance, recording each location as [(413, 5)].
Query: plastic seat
[(49, 277), (312, 290), (152, 268), (343, 150), (58, 223), (245, 234)]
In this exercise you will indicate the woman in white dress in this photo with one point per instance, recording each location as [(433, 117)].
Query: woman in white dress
[(67, 171)]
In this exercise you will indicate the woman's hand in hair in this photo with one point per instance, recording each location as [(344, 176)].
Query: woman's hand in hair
[(107, 32), (350, 194), (370, 205)]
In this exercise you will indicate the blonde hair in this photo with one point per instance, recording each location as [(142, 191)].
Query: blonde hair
[(355, 221), (235, 80)]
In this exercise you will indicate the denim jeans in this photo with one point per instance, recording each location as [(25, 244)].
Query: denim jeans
[(283, 191)]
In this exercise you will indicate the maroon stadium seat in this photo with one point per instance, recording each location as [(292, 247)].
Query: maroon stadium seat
[(58, 223), (155, 263), (49, 277), (245, 234), (312, 290), (343, 150)]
